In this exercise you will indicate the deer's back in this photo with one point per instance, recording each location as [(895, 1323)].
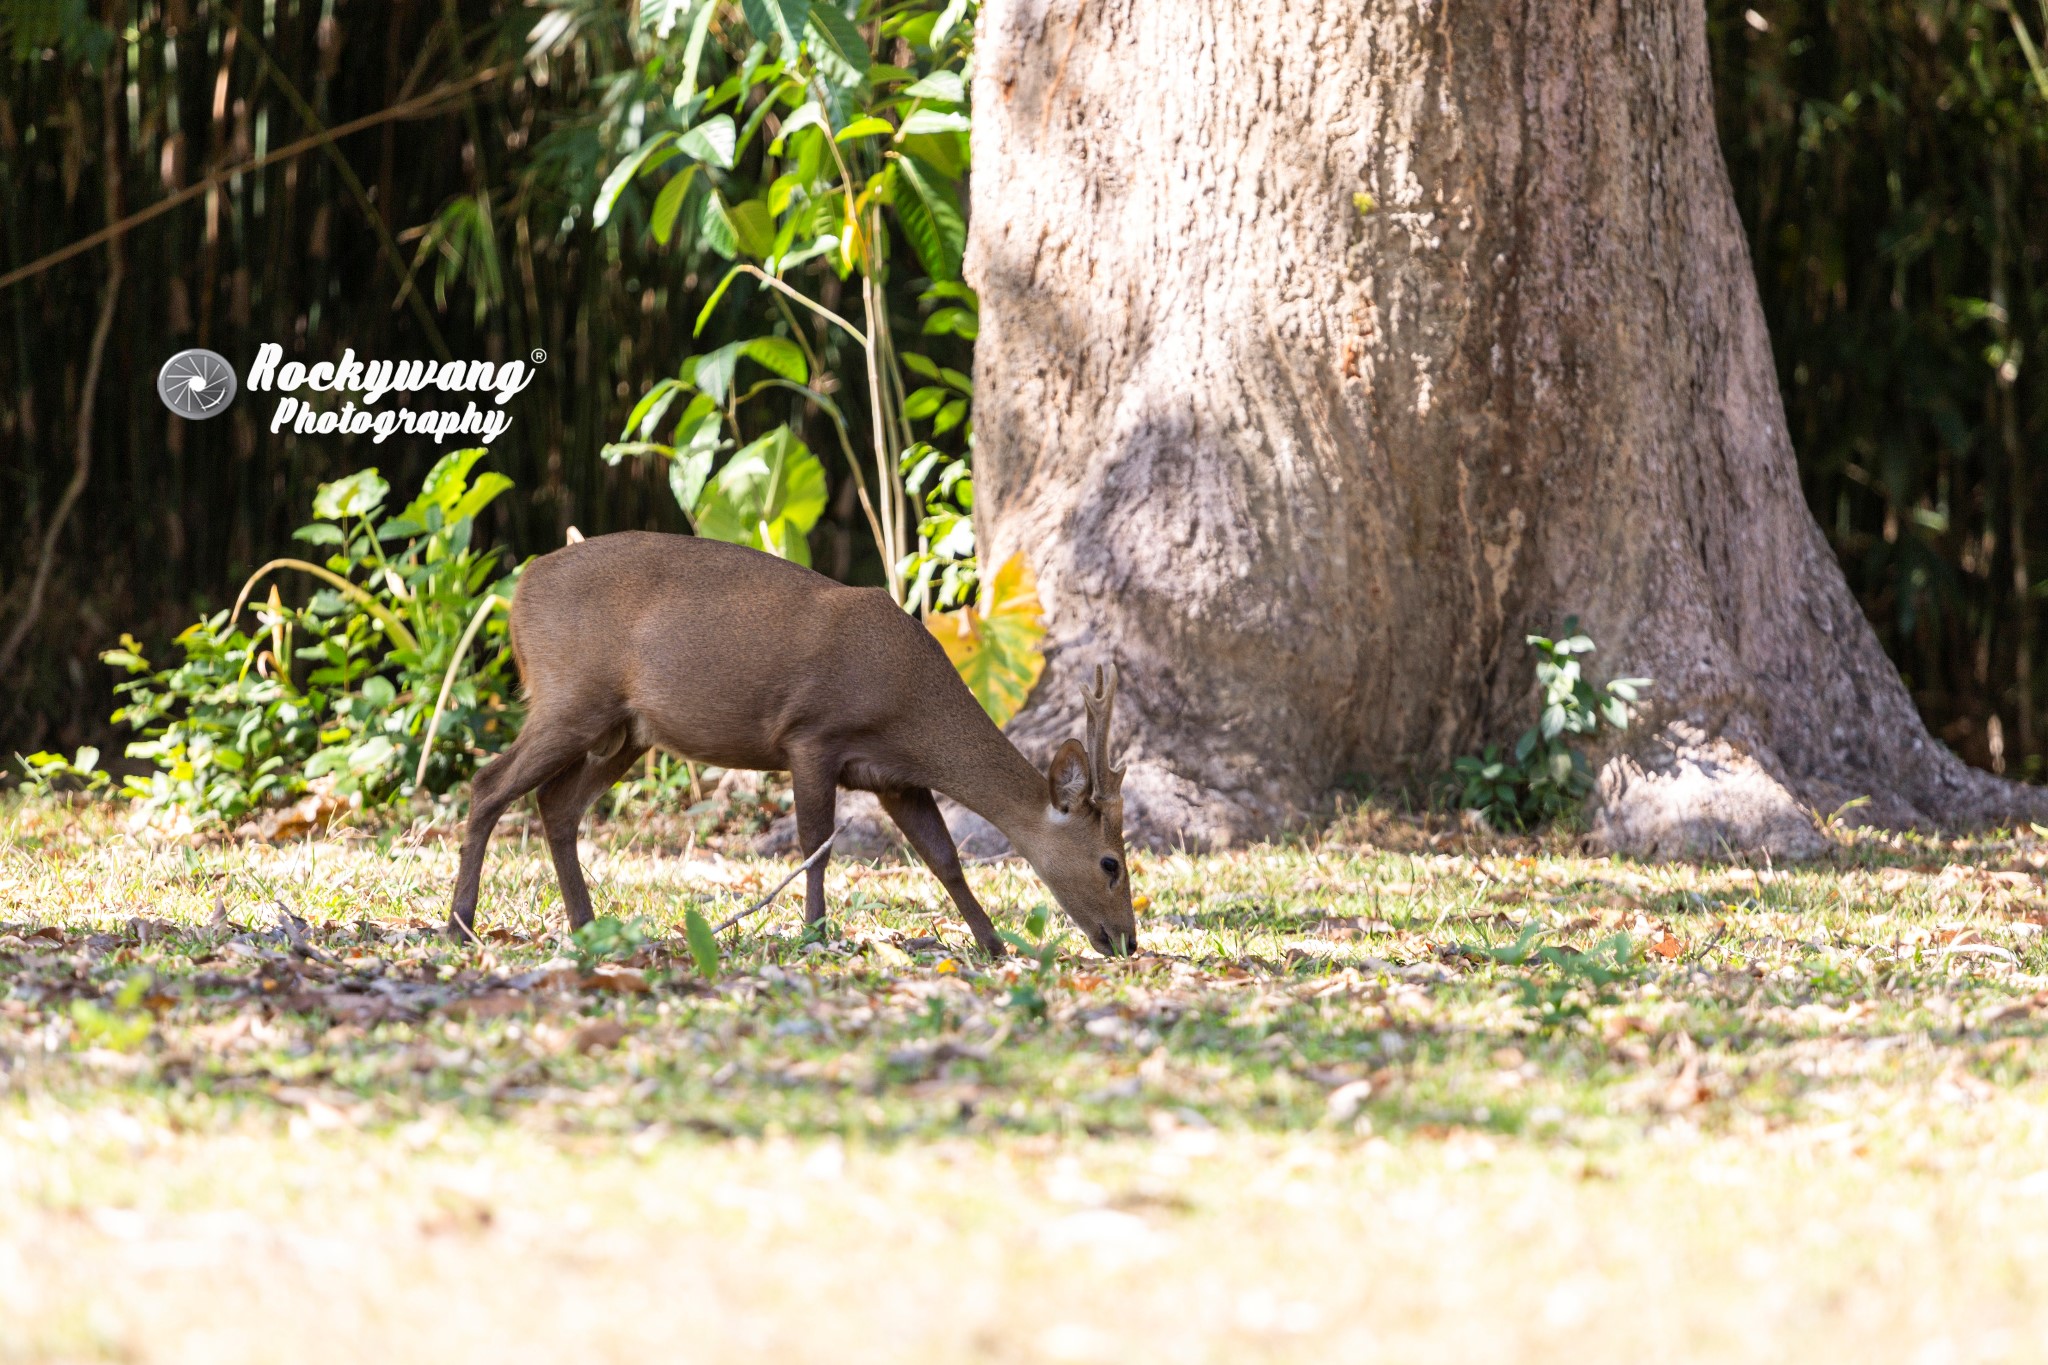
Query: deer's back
[(716, 651)]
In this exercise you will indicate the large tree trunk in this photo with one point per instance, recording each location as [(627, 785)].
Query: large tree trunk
[(1328, 349)]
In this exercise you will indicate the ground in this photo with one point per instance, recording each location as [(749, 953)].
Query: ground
[(1385, 1092)]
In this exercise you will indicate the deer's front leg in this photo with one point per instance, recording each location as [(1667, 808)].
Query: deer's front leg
[(917, 815), (816, 780)]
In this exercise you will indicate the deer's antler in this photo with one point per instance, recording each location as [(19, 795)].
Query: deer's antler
[(1101, 703)]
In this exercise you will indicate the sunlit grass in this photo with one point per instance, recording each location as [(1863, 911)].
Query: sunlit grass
[(1320, 1119)]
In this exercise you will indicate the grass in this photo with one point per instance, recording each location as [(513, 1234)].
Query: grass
[(1387, 1094)]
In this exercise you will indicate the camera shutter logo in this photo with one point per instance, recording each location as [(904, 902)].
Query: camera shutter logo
[(196, 384)]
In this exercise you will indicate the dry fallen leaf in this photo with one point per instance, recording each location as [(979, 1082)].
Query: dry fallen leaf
[(560, 973), (598, 1035), (490, 1005), (1346, 926), (1619, 1026), (457, 1212), (2014, 1009), (1686, 1090), (310, 814), (322, 1112), (610, 976), (1345, 1100)]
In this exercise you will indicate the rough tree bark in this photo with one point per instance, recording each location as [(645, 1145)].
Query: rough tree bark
[(1328, 349)]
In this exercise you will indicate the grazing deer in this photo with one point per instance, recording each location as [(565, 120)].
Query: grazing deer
[(731, 657)]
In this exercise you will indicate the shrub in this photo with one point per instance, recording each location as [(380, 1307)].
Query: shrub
[(341, 690), (1546, 775)]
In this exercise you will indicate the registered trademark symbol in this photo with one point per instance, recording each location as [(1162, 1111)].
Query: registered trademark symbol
[(540, 357)]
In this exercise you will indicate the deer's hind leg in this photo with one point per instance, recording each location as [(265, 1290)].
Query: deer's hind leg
[(563, 800)]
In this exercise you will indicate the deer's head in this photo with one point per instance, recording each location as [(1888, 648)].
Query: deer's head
[(1079, 846)]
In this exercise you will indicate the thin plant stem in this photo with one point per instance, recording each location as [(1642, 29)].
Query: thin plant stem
[(476, 623)]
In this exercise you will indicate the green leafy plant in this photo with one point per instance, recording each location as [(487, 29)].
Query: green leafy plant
[(1546, 775), (1892, 165), (342, 689), (43, 774), (703, 943), (121, 1025), (607, 939), (993, 641), (816, 169), (462, 242), (659, 779), (944, 570), (1563, 984), (1039, 946)]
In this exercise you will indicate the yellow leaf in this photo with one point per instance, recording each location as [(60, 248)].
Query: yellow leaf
[(994, 642)]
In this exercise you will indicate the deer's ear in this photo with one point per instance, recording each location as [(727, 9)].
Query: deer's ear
[(1067, 779)]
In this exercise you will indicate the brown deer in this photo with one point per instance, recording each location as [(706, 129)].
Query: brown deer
[(732, 657)]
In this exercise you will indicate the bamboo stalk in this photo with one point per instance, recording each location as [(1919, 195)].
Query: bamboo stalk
[(422, 107)]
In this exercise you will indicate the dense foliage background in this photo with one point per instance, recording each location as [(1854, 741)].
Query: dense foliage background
[(1890, 161)]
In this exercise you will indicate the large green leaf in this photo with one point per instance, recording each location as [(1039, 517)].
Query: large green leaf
[(944, 153), (697, 442), (931, 219), (652, 407), (615, 183), (944, 86), (711, 141), (928, 121), (479, 496), (716, 229), (713, 372), (782, 19), (669, 203), (686, 476), (444, 486), (768, 496), (809, 115), (865, 127), (358, 495), (779, 354), (837, 47), (952, 14), (693, 52), (753, 226)]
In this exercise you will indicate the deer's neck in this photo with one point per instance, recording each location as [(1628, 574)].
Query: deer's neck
[(991, 778)]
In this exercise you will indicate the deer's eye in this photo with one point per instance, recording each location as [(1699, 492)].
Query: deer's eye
[(1111, 866)]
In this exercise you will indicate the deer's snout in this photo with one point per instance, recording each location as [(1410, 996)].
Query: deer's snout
[(1114, 942)]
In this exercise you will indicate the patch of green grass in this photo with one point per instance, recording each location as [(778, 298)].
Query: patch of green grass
[(1388, 1013)]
